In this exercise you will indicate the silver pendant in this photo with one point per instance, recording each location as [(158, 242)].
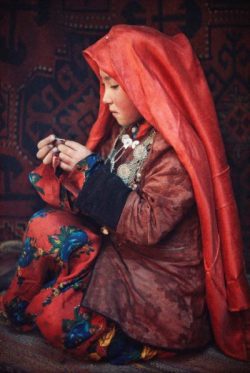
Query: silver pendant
[(123, 171), (140, 152)]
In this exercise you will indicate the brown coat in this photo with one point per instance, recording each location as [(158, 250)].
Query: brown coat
[(149, 277)]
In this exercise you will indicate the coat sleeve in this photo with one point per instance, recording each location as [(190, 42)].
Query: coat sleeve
[(146, 215), (58, 188), (163, 199)]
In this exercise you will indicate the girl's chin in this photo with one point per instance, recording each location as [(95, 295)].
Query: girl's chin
[(121, 122)]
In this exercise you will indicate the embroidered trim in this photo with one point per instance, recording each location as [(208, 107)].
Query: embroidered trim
[(89, 164)]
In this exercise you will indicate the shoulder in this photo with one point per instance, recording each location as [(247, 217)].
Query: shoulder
[(162, 154), (160, 144)]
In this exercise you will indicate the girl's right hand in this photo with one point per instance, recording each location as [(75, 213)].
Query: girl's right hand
[(46, 149)]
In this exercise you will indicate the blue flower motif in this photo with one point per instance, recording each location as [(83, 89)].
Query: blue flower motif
[(74, 241), (79, 333), (34, 178), (69, 239), (28, 253)]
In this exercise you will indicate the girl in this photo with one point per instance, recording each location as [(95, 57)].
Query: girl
[(139, 254)]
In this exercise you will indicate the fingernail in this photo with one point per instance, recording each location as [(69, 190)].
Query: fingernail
[(54, 150)]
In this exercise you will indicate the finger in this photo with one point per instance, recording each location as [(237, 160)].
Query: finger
[(49, 139), (66, 150), (44, 151), (76, 154), (48, 158), (66, 159), (65, 167), (74, 145)]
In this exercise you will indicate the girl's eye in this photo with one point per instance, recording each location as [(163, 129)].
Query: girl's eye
[(114, 86)]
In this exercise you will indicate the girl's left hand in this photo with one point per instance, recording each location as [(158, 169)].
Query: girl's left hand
[(71, 153)]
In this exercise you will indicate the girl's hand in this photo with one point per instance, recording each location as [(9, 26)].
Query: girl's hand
[(46, 149), (71, 153)]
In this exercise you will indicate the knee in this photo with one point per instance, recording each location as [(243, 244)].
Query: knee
[(38, 229), (37, 216)]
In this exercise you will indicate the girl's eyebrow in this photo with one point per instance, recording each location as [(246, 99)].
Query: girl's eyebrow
[(106, 78)]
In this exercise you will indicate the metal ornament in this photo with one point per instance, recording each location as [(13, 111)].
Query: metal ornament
[(129, 172)]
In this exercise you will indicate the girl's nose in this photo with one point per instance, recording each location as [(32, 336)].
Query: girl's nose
[(106, 97)]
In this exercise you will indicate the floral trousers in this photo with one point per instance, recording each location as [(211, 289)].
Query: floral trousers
[(47, 290)]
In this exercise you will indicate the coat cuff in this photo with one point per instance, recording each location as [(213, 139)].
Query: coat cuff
[(89, 164), (103, 196)]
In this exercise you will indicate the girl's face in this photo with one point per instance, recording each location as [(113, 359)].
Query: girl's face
[(121, 107)]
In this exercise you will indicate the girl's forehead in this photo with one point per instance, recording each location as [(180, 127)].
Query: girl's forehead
[(105, 76)]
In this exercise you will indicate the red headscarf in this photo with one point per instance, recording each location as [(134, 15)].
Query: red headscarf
[(164, 79)]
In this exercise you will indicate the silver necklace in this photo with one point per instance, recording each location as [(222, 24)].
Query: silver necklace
[(129, 172), (116, 154)]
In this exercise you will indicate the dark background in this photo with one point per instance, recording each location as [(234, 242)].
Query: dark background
[(47, 87)]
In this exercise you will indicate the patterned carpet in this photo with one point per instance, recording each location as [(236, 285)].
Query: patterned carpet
[(29, 353)]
